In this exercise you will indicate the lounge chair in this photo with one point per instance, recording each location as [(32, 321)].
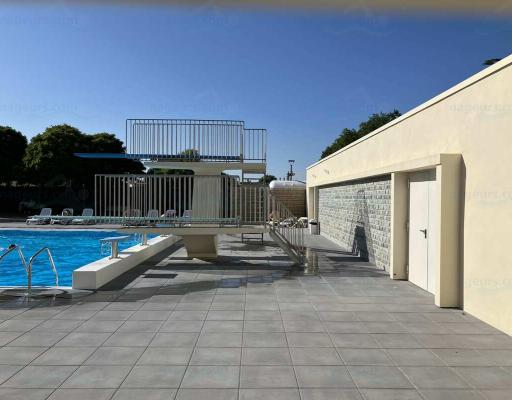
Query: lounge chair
[(132, 217), (67, 212), (186, 218), (86, 213), (152, 216), (37, 220)]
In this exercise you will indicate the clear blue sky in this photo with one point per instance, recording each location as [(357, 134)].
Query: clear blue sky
[(303, 76)]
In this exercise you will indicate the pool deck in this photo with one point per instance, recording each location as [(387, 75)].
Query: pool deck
[(22, 225), (250, 327)]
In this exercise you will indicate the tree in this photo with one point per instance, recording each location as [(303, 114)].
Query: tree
[(50, 156), (348, 136), (266, 179), (12, 149)]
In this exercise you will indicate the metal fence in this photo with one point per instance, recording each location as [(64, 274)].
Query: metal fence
[(186, 139), (178, 198)]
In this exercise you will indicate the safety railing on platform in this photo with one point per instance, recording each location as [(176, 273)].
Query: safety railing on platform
[(194, 140)]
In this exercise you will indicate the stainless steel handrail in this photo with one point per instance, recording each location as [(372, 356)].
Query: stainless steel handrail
[(13, 247), (31, 261)]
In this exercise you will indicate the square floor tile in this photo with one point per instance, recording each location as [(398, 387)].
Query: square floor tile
[(379, 377), (39, 376), (323, 377), (82, 394), (6, 371), (152, 376), (297, 339), (210, 394), (115, 356), (266, 356), (434, 378), (64, 356), (19, 355), (267, 377), (83, 339), (211, 377), (315, 356), (216, 356), (365, 357), (264, 339), (391, 394), (24, 394), (486, 377), (220, 340), (97, 377), (414, 357), (165, 356), (176, 339), (146, 394), (267, 394), (129, 339), (331, 394)]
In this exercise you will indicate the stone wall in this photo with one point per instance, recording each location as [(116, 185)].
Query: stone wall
[(357, 215)]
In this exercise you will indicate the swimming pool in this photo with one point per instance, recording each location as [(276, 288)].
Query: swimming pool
[(71, 249)]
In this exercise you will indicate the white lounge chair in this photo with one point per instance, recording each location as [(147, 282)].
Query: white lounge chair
[(86, 213), (37, 220), (67, 212), (152, 216), (169, 214)]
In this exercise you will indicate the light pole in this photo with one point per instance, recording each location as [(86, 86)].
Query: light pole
[(290, 174)]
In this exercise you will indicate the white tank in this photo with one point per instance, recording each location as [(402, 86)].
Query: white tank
[(292, 194)]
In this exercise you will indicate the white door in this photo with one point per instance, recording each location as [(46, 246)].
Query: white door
[(423, 229)]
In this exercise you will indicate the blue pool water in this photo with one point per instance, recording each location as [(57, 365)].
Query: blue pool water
[(70, 250)]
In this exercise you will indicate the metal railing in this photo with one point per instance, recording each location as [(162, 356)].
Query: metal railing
[(286, 226), (194, 140), (178, 200), (28, 267)]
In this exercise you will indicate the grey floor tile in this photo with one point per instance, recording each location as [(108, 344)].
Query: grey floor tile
[(330, 394), (19, 325), (129, 339), (19, 355), (166, 356), (117, 315), (176, 339), (140, 326), (266, 356), (99, 326), (115, 356), (266, 394), (83, 339), (223, 326), (303, 326), (379, 377), (451, 394), (259, 315), (315, 356), (264, 339), (6, 371), (97, 377), (63, 325), (460, 357), (345, 327), (210, 394), (146, 394), (211, 377), (150, 315), (267, 377), (434, 378), (323, 377), (397, 341), (220, 340), (216, 356), (390, 394), (225, 315), (64, 356), (181, 326), (414, 357), (153, 376), (486, 377), (82, 394), (352, 340), (40, 377), (365, 357), (188, 315), (317, 339), (35, 338), (24, 394), (497, 394)]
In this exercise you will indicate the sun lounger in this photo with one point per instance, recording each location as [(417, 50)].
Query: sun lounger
[(67, 212), (38, 220), (86, 214)]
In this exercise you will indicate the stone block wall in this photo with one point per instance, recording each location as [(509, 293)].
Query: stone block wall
[(357, 215)]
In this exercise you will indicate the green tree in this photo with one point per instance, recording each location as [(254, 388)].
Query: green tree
[(348, 136), (12, 149), (266, 179), (50, 159)]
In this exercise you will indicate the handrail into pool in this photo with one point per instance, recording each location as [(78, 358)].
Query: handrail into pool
[(31, 261), (13, 247)]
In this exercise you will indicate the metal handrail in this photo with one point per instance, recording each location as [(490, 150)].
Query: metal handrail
[(13, 247), (31, 261)]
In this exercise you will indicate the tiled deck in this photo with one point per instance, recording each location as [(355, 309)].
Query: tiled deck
[(248, 328)]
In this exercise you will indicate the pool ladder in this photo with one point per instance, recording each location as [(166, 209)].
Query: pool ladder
[(28, 267)]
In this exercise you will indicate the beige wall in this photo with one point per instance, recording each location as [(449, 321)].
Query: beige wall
[(473, 119)]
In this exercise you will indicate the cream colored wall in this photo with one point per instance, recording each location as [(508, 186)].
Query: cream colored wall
[(473, 119)]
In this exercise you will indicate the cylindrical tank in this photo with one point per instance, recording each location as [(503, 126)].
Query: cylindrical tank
[(292, 194)]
